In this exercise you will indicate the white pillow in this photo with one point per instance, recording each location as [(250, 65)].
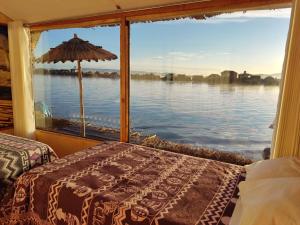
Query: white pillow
[(281, 167), (268, 202)]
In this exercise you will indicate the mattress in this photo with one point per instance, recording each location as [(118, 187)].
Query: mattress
[(121, 183)]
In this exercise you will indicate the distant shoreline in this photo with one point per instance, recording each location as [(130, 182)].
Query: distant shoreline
[(226, 77)]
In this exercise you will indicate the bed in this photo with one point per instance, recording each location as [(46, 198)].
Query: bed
[(18, 155), (121, 183)]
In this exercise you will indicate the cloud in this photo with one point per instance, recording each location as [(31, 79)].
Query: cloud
[(183, 56), (174, 56), (272, 13), (237, 17), (158, 58), (224, 20), (223, 53), (242, 17), (213, 20), (177, 56)]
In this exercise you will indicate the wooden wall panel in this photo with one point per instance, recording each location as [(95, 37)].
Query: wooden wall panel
[(6, 113), (7, 131), (64, 144)]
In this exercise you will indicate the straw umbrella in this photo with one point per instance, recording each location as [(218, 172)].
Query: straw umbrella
[(78, 50)]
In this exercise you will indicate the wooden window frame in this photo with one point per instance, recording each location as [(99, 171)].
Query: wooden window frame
[(124, 18), (183, 9), (124, 80)]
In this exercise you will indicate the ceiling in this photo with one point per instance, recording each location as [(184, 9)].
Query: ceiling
[(46, 10)]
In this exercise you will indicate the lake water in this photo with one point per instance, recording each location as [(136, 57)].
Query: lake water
[(225, 117)]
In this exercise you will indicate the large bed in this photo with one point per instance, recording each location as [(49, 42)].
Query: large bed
[(121, 183)]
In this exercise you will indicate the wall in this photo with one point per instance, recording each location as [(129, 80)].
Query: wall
[(4, 19), (6, 113), (64, 144), (7, 131)]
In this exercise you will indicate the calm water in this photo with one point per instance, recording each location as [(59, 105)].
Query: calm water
[(225, 117)]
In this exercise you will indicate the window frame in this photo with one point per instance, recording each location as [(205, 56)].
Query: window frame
[(151, 14)]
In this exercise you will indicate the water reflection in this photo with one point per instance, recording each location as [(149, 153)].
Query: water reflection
[(225, 117)]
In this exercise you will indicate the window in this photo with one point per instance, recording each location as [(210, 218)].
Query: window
[(202, 85), (213, 84), (57, 87)]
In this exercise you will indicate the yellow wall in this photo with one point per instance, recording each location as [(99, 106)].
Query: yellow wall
[(64, 144)]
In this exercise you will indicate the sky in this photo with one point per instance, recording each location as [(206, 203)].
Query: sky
[(252, 41)]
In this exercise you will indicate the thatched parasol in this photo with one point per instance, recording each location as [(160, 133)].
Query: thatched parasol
[(78, 50)]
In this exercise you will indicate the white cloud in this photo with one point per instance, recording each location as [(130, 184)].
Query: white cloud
[(183, 56), (173, 56), (237, 17), (177, 56), (242, 17), (273, 13), (158, 58), (223, 53), (224, 20)]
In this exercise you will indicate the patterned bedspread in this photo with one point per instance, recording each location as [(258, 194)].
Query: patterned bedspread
[(119, 183), (18, 155)]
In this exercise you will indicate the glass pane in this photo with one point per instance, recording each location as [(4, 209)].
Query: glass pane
[(208, 87), (57, 86)]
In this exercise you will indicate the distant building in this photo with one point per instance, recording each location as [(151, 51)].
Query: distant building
[(213, 78), (270, 81), (255, 79), (228, 76), (168, 77), (197, 78), (182, 77), (246, 78), (148, 76)]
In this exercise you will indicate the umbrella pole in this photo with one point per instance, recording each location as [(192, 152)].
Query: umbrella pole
[(81, 99)]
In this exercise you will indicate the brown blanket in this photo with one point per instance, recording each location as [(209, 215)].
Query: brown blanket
[(119, 183)]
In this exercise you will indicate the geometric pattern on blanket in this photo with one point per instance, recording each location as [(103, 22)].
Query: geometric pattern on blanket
[(121, 183), (18, 155)]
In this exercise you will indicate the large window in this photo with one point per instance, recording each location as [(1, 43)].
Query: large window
[(201, 85), (208, 84), (88, 108)]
